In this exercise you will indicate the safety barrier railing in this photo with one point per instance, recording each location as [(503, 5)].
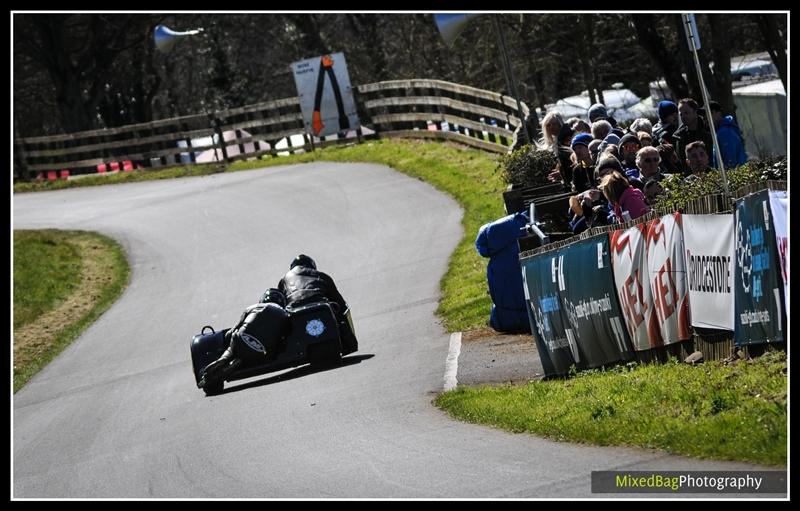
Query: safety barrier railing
[(400, 108)]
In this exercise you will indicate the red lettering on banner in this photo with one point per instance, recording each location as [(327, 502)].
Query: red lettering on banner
[(633, 298), (656, 231), (619, 240), (654, 332), (664, 290), (684, 323)]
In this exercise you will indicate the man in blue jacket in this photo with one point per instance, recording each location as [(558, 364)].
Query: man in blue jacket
[(729, 138)]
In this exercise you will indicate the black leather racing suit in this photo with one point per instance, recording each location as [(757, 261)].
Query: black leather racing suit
[(303, 285)]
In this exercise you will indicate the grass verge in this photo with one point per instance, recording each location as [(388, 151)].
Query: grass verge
[(63, 281), (729, 412)]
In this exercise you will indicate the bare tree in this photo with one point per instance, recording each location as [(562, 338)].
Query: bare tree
[(775, 41), (655, 46)]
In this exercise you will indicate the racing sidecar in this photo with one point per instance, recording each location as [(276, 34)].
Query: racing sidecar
[(317, 335)]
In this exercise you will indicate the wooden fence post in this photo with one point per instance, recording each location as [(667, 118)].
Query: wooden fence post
[(215, 123)]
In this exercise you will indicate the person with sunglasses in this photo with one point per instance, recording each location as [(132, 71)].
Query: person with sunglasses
[(648, 161)]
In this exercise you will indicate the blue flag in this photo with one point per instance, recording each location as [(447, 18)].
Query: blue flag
[(450, 25)]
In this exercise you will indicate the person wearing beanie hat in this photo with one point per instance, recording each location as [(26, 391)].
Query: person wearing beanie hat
[(667, 124), (582, 169), (666, 109), (598, 112), (629, 145), (628, 137), (611, 138), (581, 139), (606, 164)]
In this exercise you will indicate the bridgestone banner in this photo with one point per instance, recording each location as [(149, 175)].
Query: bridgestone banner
[(540, 277), (594, 321), (760, 314), (709, 263), (628, 257), (778, 204), (667, 277)]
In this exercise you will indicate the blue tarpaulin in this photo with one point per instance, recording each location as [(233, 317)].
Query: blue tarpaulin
[(498, 241)]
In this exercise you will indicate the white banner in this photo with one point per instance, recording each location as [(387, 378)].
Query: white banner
[(709, 241), (629, 261), (778, 204), (667, 277)]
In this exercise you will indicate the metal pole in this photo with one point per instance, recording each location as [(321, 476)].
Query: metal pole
[(691, 36), (509, 72)]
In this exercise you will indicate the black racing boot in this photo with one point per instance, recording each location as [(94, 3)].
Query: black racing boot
[(219, 368)]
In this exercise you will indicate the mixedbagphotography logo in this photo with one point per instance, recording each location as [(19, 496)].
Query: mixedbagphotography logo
[(771, 481)]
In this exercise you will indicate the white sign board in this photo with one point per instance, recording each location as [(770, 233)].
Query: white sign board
[(326, 97), (708, 240)]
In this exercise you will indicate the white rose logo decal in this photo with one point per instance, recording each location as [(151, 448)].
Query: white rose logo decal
[(315, 328)]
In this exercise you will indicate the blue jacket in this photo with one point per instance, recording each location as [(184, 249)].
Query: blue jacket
[(498, 241), (730, 144)]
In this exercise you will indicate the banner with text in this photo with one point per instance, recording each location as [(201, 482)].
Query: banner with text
[(709, 261), (592, 312), (540, 280), (667, 277), (760, 314), (778, 203), (629, 261)]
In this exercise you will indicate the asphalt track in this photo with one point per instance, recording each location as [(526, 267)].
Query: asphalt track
[(118, 414)]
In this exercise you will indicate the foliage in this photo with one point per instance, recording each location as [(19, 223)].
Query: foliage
[(678, 192), (88, 71), (527, 167), (773, 168)]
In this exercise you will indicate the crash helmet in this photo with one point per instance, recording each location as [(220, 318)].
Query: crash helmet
[(273, 295), (303, 260)]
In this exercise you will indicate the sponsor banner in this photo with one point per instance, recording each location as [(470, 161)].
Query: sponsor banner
[(667, 277), (760, 315), (628, 258), (540, 281), (709, 269), (594, 322), (778, 205)]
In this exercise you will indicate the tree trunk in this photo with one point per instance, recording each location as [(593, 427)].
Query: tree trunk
[(720, 50), (586, 57), (652, 43), (685, 56), (768, 24)]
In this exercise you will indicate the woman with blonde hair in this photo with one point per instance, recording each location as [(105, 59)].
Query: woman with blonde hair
[(551, 126), (628, 201)]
